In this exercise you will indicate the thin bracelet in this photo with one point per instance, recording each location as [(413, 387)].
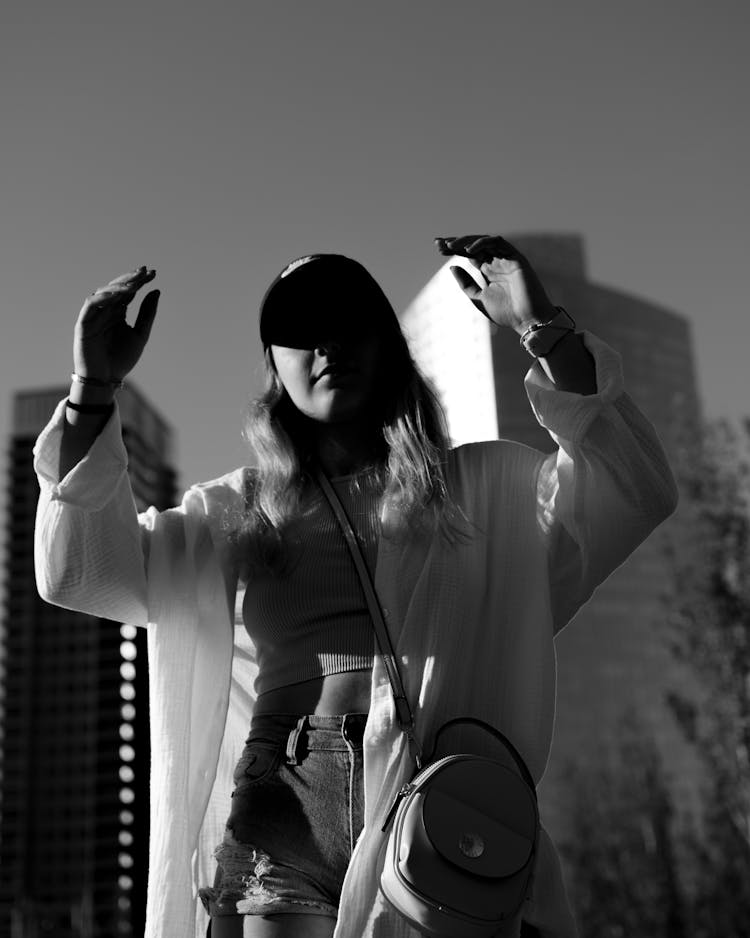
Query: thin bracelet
[(90, 408), (533, 334), (96, 382), (535, 327)]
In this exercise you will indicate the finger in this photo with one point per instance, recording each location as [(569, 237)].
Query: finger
[(467, 283), (124, 287), (458, 245), (481, 244), (135, 272), (500, 247), (464, 247), (442, 244), (134, 277), (110, 295), (479, 251), (113, 288), (489, 246), (146, 314)]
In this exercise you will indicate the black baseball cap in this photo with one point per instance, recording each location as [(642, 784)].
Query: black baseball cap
[(321, 292)]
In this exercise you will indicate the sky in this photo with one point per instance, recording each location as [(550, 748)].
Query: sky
[(216, 142)]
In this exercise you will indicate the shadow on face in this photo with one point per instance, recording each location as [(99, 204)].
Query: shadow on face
[(338, 376)]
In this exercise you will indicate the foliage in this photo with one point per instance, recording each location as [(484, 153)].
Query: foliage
[(709, 628), (623, 848), (638, 868)]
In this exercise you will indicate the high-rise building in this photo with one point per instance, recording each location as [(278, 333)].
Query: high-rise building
[(614, 656), (75, 745)]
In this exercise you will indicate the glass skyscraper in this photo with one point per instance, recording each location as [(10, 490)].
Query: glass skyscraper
[(74, 819)]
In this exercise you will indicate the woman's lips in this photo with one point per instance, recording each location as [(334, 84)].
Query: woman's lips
[(334, 372)]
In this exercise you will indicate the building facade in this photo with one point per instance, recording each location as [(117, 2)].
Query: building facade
[(613, 658), (74, 815)]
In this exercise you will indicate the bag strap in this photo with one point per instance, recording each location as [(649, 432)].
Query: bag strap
[(403, 710), (511, 749)]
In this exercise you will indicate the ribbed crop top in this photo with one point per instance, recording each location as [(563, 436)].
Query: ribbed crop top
[(312, 620)]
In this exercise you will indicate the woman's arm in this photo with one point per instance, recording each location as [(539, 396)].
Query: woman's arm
[(90, 551), (96, 554), (609, 484), (105, 350), (570, 366), (81, 428), (605, 489)]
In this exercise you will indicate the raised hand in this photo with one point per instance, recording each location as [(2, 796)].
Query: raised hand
[(512, 294), (105, 347)]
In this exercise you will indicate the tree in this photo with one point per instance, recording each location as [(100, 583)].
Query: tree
[(708, 614), (638, 867), (623, 851)]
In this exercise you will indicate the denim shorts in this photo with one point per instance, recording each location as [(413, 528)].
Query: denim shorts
[(297, 811)]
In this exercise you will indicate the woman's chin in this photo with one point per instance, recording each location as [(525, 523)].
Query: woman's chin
[(341, 405)]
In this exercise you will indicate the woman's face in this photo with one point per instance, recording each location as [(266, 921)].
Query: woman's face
[(334, 381)]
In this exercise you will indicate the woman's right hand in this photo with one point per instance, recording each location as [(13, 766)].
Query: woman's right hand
[(105, 347)]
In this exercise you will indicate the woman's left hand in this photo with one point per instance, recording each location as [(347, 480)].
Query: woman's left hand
[(513, 295)]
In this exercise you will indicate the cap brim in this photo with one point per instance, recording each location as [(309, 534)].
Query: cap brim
[(307, 326)]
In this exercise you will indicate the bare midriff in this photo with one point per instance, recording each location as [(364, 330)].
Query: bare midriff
[(332, 695)]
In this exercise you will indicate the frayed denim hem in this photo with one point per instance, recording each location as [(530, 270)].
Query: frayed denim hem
[(240, 888)]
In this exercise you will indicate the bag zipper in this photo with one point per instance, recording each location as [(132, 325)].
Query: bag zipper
[(417, 782), (405, 790)]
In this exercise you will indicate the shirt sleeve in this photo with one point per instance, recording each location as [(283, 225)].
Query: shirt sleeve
[(90, 546), (605, 489)]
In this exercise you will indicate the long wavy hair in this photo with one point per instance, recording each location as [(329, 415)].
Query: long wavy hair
[(412, 448)]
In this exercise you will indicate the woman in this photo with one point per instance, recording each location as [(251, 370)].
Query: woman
[(275, 748)]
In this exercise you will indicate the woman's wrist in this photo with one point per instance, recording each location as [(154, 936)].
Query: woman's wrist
[(540, 317), (90, 394), (540, 338), (570, 366)]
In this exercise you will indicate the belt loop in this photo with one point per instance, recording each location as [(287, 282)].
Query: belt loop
[(293, 741)]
